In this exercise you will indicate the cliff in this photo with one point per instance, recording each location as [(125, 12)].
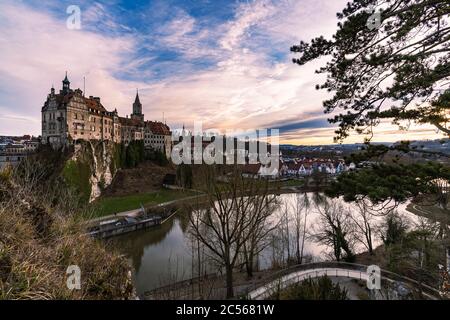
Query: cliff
[(92, 167), (41, 234)]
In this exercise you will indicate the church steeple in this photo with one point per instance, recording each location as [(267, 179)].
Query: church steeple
[(137, 97), (137, 108)]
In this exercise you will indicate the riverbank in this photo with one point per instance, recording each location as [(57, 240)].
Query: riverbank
[(112, 207), (430, 212), (107, 207), (163, 255)]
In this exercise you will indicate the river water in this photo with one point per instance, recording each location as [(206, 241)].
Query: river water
[(163, 255)]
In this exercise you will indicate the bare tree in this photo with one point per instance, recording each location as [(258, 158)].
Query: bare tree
[(285, 232), (259, 229), (334, 229), (234, 210), (363, 225), (281, 237), (300, 209)]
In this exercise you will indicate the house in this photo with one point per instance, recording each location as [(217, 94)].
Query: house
[(251, 170), (158, 137)]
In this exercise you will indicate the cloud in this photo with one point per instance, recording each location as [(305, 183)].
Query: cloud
[(36, 50), (308, 124), (248, 15), (231, 73)]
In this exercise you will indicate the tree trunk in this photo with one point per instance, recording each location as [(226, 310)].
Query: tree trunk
[(249, 268), (303, 237), (299, 260), (229, 278)]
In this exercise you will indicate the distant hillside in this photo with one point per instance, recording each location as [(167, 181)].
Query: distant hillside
[(439, 145)]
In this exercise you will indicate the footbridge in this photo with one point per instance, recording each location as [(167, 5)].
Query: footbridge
[(298, 273)]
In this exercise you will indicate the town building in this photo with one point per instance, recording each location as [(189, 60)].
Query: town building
[(12, 151)]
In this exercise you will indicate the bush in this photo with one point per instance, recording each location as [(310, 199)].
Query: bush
[(319, 289), (77, 175), (134, 154)]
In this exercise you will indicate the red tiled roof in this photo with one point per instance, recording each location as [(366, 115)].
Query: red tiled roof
[(94, 104), (131, 122), (90, 102), (158, 128), (62, 99)]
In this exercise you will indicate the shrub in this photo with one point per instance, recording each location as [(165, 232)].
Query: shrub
[(319, 289)]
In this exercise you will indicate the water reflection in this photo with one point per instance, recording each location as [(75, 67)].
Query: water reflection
[(157, 253), (163, 254)]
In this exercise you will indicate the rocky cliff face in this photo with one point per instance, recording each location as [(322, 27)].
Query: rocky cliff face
[(92, 167)]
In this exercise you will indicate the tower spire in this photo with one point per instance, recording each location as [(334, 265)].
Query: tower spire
[(137, 108), (66, 85), (137, 97)]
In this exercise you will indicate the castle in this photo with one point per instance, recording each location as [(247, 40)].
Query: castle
[(69, 116)]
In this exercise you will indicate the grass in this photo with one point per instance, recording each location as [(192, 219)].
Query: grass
[(110, 205), (40, 239), (77, 175), (293, 183)]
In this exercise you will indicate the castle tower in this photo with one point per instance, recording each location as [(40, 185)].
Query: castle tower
[(66, 85), (137, 108)]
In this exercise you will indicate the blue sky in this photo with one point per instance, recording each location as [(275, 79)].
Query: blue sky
[(225, 63)]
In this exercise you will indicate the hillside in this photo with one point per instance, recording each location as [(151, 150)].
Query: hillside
[(146, 177), (41, 236)]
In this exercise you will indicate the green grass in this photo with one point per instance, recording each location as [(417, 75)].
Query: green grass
[(77, 175), (110, 205), (293, 183)]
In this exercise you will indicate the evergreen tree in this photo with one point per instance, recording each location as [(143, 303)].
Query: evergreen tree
[(389, 60)]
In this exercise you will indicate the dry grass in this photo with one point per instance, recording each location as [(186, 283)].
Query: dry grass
[(40, 237)]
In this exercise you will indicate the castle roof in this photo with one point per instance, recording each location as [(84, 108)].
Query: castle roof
[(94, 103), (159, 128), (66, 80), (131, 122)]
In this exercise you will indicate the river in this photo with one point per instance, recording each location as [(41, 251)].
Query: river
[(163, 255)]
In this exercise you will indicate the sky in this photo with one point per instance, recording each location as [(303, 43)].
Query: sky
[(224, 63)]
